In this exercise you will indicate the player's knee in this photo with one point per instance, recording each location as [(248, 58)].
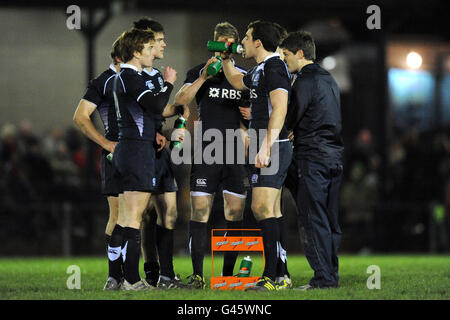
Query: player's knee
[(171, 218), (234, 214), (261, 210), (200, 214)]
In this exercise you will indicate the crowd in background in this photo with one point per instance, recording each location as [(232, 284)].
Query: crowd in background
[(400, 202)]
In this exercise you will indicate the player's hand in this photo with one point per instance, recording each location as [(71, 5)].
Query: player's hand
[(179, 134), (291, 136), (170, 75), (160, 141), (111, 145), (262, 159), (205, 75), (245, 112), (225, 55)]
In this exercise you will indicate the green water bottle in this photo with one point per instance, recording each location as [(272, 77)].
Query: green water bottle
[(246, 267), (214, 67), (180, 123), (220, 46)]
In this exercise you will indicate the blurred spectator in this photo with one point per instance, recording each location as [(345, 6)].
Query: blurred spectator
[(359, 191)]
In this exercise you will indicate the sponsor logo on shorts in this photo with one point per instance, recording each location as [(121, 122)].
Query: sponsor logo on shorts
[(201, 182), (254, 178), (154, 181)]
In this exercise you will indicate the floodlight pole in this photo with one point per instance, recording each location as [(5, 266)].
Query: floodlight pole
[(90, 30)]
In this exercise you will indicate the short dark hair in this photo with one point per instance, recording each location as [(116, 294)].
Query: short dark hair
[(115, 53), (226, 29), (300, 40), (133, 40), (283, 32), (147, 23), (267, 33)]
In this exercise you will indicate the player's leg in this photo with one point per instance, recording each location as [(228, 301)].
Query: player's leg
[(135, 202), (113, 235), (113, 203), (110, 186), (201, 203), (166, 208), (266, 191), (234, 204), (263, 203), (149, 251), (283, 278)]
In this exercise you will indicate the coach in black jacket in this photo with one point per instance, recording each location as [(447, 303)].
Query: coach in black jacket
[(314, 115)]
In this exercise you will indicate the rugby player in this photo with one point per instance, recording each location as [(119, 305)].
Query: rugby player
[(161, 224), (218, 109), (98, 97), (134, 155), (269, 84)]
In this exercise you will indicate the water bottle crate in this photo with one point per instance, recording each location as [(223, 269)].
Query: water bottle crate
[(247, 243)]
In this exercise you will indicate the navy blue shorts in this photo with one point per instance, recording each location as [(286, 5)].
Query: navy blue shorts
[(208, 178), (135, 161), (165, 179), (226, 173), (110, 177), (257, 178)]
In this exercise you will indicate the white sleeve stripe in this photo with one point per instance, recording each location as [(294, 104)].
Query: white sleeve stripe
[(143, 94), (241, 70)]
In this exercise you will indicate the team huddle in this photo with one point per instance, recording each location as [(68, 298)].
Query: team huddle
[(287, 106)]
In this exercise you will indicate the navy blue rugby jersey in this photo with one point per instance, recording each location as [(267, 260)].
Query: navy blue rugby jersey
[(269, 75), (136, 105), (99, 92), (217, 100), (155, 82)]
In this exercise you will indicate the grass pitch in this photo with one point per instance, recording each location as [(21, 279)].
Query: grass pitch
[(402, 277)]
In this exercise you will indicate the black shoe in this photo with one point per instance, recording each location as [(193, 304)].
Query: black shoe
[(263, 284), (196, 282), (174, 283)]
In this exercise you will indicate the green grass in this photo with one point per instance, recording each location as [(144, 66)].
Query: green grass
[(402, 277)]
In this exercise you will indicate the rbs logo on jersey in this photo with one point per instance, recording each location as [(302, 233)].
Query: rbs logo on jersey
[(229, 93), (224, 93)]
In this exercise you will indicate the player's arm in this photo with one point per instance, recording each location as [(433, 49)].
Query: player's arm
[(82, 119), (188, 91), (244, 135), (234, 77), (279, 100), (173, 109), (150, 101)]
